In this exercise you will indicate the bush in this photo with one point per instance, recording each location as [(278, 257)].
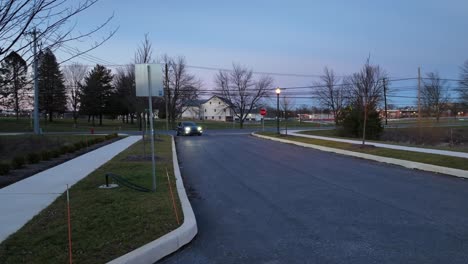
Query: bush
[(55, 153), (18, 162), (64, 149), (46, 155), (4, 168), (78, 145), (352, 122), (111, 136), (33, 158)]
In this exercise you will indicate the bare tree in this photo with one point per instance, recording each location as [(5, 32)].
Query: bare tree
[(366, 90), (463, 84), (434, 95), (241, 90), (50, 19), (183, 87), (144, 54), (331, 94), (74, 75)]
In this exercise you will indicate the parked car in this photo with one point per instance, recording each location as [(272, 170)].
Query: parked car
[(187, 128)]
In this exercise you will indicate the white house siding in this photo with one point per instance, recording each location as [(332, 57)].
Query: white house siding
[(216, 109), (192, 112)]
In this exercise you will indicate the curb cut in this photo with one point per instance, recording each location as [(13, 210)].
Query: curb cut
[(403, 163), (171, 242)]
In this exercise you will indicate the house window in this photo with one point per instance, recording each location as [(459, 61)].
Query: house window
[(219, 117), (206, 117), (210, 102), (205, 110), (215, 110), (219, 103), (224, 110), (212, 117)]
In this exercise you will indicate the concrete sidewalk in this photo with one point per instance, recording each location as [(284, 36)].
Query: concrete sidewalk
[(415, 149), (21, 201)]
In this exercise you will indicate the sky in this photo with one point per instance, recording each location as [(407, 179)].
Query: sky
[(294, 37)]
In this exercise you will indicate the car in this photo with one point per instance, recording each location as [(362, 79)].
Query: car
[(187, 128)]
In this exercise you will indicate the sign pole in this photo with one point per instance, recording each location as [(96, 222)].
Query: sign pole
[(150, 116)]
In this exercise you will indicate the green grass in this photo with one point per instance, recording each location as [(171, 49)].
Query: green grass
[(8, 124), (105, 223), (439, 160), (21, 145), (461, 147)]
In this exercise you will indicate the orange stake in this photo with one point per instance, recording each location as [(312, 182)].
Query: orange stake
[(69, 228), (172, 195)]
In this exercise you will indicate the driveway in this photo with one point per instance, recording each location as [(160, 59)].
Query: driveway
[(258, 201)]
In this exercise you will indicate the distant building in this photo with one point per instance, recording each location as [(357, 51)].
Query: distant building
[(217, 109)]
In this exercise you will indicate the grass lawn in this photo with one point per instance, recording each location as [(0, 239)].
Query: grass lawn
[(20, 145), (405, 133), (9, 124), (105, 223), (439, 160)]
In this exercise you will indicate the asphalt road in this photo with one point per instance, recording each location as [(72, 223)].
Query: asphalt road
[(258, 201)]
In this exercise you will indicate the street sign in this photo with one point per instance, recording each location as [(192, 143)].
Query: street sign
[(263, 112), (154, 81)]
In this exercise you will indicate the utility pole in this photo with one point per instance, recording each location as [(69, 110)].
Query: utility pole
[(36, 85), (419, 96), (167, 96), (385, 99)]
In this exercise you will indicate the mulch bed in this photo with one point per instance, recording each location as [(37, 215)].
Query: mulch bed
[(31, 169)]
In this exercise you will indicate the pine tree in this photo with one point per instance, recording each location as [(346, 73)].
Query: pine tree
[(52, 93), (96, 93), (14, 81)]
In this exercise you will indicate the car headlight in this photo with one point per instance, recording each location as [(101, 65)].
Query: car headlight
[(199, 128), (187, 129)]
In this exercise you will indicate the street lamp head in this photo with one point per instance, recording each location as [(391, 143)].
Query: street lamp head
[(278, 90)]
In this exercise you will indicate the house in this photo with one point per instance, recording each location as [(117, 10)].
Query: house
[(217, 109), (192, 110)]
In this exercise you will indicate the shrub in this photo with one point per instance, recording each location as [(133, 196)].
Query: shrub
[(55, 153), (33, 157), (64, 149), (111, 136), (4, 168), (46, 155), (78, 145), (18, 162), (352, 121)]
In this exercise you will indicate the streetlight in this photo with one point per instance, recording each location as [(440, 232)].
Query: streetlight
[(278, 91)]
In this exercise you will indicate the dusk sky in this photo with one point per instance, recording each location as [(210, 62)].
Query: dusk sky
[(298, 37)]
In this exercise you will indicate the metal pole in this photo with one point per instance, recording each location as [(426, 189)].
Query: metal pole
[(385, 97), (36, 86), (167, 97), (150, 116), (419, 95), (277, 114)]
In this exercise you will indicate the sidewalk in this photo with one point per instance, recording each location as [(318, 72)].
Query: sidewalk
[(21, 201), (415, 149)]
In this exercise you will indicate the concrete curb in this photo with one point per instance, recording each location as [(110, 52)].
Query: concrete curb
[(172, 241), (404, 163)]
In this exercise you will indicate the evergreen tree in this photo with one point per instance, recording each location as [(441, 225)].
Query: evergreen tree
[(52, 94), (14, 81), (96, 93)]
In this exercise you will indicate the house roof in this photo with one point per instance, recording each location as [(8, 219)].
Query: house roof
[(226, 101), (195, 103)]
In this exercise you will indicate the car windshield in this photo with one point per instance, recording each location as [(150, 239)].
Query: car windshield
[(189, 124)]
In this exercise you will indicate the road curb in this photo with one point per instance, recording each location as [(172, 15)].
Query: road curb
[(172, 241), (404, 163)]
